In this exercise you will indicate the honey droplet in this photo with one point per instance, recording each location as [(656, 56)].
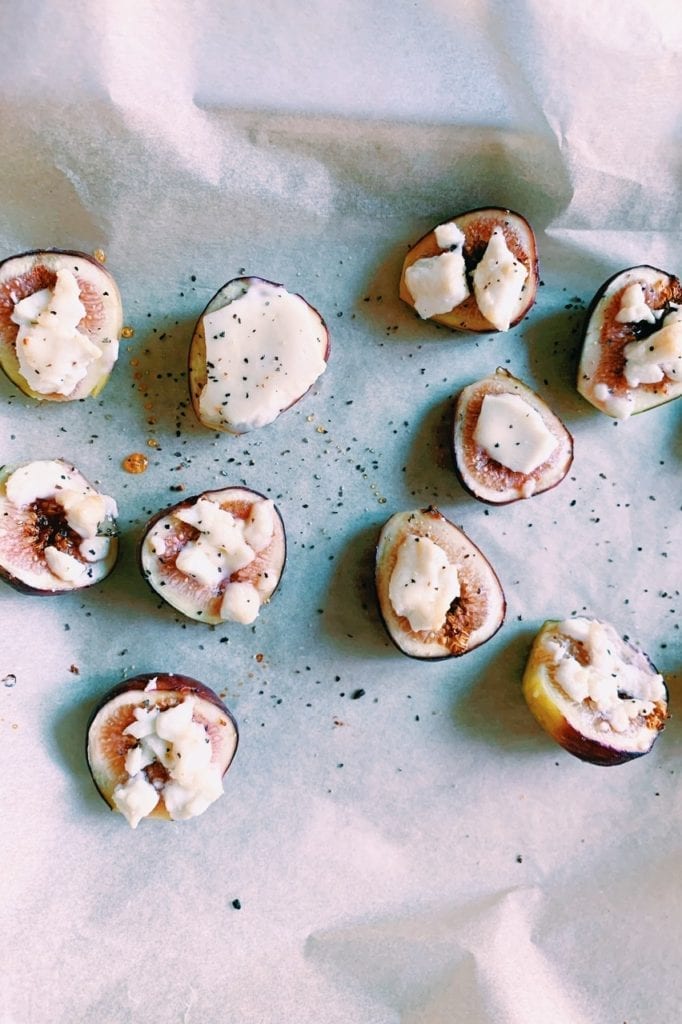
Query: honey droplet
[(100, 255), (134, 362), (152, 443), (127, 332), (135, 462)]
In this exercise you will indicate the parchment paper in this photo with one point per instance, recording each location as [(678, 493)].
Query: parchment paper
[(398, 841)]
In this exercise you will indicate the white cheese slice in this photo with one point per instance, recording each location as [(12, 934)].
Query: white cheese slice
[(513, 433), (65, 566), (182, 745), (448, 235), (241, 603), (606, 677), (499, 280), (135, 799), (423, 583), (660, 355), (222, 548), (53, 355), (263, 351), (634, 307), (437, 284)]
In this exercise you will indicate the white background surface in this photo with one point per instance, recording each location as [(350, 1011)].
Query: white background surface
[(423, 854)]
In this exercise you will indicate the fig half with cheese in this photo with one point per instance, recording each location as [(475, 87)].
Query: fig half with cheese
[(256, 350), (60, 321), (508, 443), (477, 272), (217, 557), (57, 532), (595, 693), (439, 596), (632, 348), (159, 745)]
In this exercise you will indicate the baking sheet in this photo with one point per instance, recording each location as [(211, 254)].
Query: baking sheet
[(420, 851)]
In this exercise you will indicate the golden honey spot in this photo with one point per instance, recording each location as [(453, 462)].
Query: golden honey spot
[(149, 406), (309, 419), (100, 255), (152, 443), (127, 332), (135, 362), (259, 657), (136, 462), (322, 430)]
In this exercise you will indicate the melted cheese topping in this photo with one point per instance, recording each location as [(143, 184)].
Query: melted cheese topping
[(499, 280), (423, 584), (182, 745), (513, 433), (437, 283), (225, 544), (263, 351), (658, 356), (85, 512), (53, 355), (634, 307), (620, 690)]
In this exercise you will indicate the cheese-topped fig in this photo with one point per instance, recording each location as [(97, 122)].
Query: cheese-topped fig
[(256, 350), (477, 272), (217, 557), (439, 596), (57, 532), (159, 745), (596, 694), (632, 348), (508, 444), (60, 321)]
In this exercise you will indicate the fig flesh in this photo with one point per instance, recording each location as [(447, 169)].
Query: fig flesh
[(256, 350), (57, 532), (216, 557), (60, 321), (631, 357), (508, 444), (477, 272), (438, 595), (596, 694), (159, 745)]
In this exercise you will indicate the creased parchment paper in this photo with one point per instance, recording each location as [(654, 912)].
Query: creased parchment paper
[(398, 841)]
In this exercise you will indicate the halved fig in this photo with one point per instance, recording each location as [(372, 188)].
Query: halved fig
[(632, 347), (508, 444), (439, 596), (57, 532), (216, 557), (60, 321), (596, 694), (159, 745), (256, 350), (477, 272)]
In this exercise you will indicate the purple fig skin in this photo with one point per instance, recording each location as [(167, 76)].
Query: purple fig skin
[(187, 503), (473, 320), (247, 281)]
